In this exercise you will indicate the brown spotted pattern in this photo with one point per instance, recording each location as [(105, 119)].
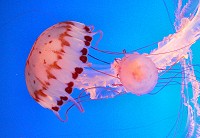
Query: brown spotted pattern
[(44, 63)]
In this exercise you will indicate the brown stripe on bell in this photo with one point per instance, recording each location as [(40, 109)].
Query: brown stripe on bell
[(78, 70), (47, 83), (59, 57), (83, 59), (55, 65), (88, 38), (87, 43), (69, 87), (68, 28), (64, 98), (55, 108), (70, 84), (75, 75), (62, 39), (68, 90), (84, 51), (87, 29), (71, 23), (37, 94), (50, 75), (59, 102)]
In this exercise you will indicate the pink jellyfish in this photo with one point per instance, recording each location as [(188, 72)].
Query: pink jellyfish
[(137, 73), (58, 63), (56, 60)]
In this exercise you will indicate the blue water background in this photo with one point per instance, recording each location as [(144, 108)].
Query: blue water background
[(127, 24)]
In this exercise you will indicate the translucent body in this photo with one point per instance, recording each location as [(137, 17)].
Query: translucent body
[(176, 46), (138, 74), (169, 52), (174, 49), (55, 62)]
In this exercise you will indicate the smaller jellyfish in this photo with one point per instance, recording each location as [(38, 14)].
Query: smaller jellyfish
[(137, 73)]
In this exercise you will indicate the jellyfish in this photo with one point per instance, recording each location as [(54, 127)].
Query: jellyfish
[(56, 60), (58, 63), (137, 73)]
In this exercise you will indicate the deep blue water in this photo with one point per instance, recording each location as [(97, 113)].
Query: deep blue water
[(127, 24)]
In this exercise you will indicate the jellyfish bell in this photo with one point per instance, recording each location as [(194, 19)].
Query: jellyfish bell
[(57, 59), (137, 73)]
